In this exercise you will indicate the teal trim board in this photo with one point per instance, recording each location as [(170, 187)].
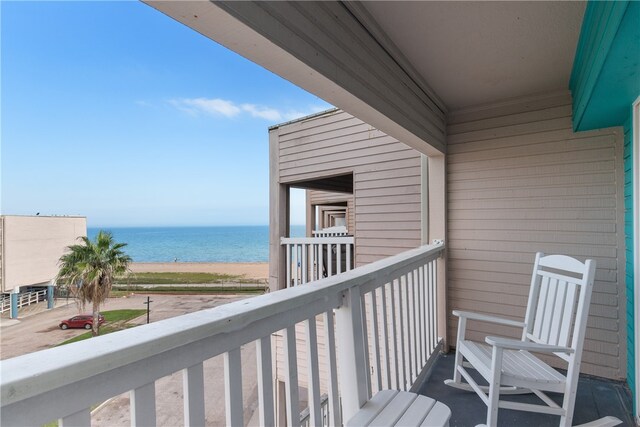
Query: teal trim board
[(629, 250), (606, 71), (605, 81)]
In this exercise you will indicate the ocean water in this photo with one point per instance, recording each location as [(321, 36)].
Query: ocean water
[(195, 244)]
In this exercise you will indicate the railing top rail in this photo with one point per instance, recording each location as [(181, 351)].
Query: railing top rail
[(36, 373), (317, 240)]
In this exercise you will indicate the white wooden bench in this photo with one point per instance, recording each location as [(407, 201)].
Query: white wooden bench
[(401, 408)]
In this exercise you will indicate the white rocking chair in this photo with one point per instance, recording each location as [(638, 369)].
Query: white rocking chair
[(555, 324)]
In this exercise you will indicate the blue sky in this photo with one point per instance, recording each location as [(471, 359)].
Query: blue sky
[(114, 111)]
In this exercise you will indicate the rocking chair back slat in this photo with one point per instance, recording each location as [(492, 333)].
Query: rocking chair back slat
[(547, 316), (553, 300), (569, 307), (541, 290), (558, 314)]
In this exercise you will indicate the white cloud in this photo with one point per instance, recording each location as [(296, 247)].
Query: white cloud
[(217, 107), (214, 107), (262, 112)]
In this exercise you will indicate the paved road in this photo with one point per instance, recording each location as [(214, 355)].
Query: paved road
[(18, 338)]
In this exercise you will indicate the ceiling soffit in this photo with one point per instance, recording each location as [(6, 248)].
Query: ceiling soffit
[(472, 53)]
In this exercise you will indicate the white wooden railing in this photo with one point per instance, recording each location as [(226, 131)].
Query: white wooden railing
[(28, 298), (5, 303), (24, 299), (312, 258), (379, 318), (338, 231)]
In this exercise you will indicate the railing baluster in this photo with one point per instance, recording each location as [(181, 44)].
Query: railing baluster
[(288, 265), (334, 403), (314, 255), (313, 372), (295, 265), (233, 387), (394, 333), (376, 341), (321, 262), (434, 316), (265, 382), (330, 259), (348, 245), (365, 340), (193, 391), (410, 327), (143, 406), (303, 263), (422, 332), (416, 325), (291, 375), (338, 258), (428, 300), (385, 336), (403, 349), (79, 419)]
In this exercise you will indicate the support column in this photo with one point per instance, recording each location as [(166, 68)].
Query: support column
[(424, 200), (437, 226), (50, 292), (14, 303), (310, 215), (278, 215), (352, 375)]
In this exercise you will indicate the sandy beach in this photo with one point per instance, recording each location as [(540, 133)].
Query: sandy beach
[(250, 270)]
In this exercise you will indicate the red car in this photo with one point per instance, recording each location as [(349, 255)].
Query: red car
[(81, 321)]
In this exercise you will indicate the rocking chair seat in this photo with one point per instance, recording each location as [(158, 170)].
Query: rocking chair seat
[(518, 367)]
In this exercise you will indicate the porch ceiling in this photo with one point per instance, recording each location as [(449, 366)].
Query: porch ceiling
[(473, 53), (339, 184)]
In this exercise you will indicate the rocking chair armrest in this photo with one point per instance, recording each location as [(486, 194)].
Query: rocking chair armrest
[(487, 318), (526, 345)]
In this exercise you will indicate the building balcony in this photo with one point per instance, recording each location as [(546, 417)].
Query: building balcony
[(312, 258)]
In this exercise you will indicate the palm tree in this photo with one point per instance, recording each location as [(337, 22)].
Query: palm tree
[(90, 268)]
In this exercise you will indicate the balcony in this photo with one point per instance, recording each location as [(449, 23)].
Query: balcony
[(344, 337), (313, 258), (374, 327)]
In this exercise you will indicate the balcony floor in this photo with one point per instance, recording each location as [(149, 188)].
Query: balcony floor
[(596, 398)]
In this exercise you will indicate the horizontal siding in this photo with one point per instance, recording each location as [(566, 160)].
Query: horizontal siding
[(386, 178), (520, 181)]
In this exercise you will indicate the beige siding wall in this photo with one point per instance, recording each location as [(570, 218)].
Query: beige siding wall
[(520, 181), (386, 176), (32, 247)]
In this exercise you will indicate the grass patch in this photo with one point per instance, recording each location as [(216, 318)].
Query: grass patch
[(122, 315), (180, 279), (187, 290), (114, 321)]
